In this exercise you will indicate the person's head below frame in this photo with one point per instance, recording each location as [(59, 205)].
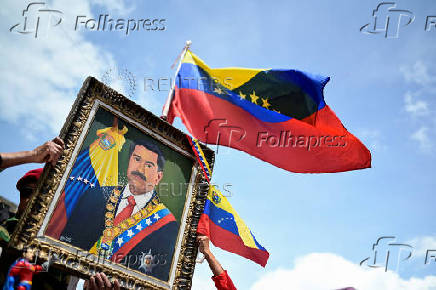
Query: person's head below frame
[(26, 185), (145, 170)]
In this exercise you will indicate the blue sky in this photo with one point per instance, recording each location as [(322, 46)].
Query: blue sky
[(317, 227)]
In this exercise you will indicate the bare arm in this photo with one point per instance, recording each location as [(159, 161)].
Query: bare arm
[(203, 246), (47, 152)]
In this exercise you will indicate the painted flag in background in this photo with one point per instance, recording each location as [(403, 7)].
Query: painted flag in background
[(278, 116), (222, 224), (95, 166)]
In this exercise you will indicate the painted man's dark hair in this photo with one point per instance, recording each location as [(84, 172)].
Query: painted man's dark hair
[(150, 145)]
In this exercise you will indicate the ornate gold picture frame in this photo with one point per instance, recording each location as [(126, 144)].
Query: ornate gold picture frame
[(124, 198)]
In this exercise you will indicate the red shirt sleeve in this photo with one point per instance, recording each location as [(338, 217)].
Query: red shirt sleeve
[(16, 269), (223, 282)]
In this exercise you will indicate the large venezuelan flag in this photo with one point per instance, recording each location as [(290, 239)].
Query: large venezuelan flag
[(222, 224), (95, 166), (278, 116)]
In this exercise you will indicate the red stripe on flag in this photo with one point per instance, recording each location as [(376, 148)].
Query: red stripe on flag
[(325, 147), (230, 242), (58, 219)]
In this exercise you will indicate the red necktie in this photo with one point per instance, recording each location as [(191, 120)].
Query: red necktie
[(126, 212)]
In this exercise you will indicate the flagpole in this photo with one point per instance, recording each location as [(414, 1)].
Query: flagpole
[(171, 93)]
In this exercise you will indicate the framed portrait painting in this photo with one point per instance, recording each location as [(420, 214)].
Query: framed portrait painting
[(123, 199)]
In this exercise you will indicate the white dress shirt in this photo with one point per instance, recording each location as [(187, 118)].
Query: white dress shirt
[(140, 200)]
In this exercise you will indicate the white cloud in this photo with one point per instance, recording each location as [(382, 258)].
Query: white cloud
[(41, 76), (418, 73), (426, 123), (422, 244), (202, 283), (115, 6), (329, 271), (413, 107), (423, 139), (373, 139)]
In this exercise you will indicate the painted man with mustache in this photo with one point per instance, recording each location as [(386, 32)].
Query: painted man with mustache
[(128, 225)]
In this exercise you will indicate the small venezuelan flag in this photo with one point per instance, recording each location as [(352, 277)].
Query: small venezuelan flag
[(222, 224), (200, 157), (278, 116)]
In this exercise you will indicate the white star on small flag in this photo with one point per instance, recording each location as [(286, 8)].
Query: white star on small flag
[(79, 178), (72, 177), (156, 216), (139, 227), (130, 233), (85, 181), (92, 185), (148, 222), (120, 241)]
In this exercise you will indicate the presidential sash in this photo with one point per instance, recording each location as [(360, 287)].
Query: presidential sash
[(117, 241)]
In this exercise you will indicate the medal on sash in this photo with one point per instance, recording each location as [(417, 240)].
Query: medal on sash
[(105, 245)]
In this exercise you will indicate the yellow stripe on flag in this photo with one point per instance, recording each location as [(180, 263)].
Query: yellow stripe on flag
[(231, 77), (234, 77), (103, 153), (224, 204)]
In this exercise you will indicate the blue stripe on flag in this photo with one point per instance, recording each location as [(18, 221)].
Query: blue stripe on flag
[(191, 76), (221, 217), (81, 178)]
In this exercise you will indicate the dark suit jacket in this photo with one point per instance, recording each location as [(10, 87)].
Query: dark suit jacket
[(86, 225)]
